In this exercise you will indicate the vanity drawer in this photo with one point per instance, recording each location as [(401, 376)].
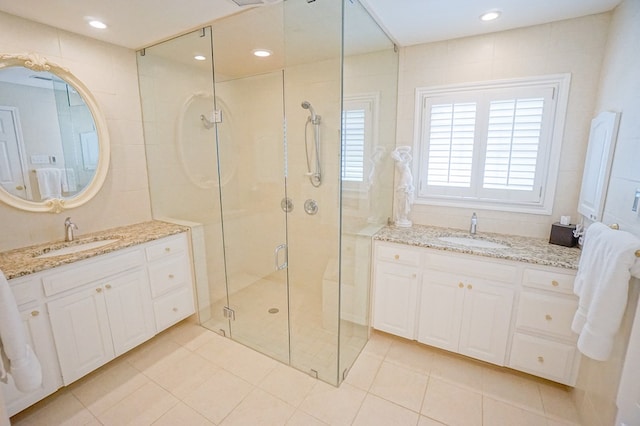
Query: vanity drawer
[(547, 313), (90, 270), (166, 247), (26, 290), (544, 358), (168, 274), (550, 279), (172, 308), (399, 254)]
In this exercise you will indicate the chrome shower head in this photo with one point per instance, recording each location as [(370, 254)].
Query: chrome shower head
[(307, 105)]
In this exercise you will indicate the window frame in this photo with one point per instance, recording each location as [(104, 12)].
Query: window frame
[(372, 101), (478, 197)]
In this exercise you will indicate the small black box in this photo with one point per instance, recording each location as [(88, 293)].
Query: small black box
[(562, 235)]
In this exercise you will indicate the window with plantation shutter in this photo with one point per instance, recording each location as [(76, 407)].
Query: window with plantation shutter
[(353, 141), (358, 139), (491, 145)]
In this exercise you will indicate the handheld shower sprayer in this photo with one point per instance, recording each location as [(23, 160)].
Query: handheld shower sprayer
[(316, 176)]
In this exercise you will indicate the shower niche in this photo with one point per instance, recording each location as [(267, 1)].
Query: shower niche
[(229, 138)]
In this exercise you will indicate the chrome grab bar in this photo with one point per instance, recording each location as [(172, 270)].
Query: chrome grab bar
[(282, 266)]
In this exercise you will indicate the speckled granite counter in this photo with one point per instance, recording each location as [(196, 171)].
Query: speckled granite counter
[(521, 249), (22, 261)]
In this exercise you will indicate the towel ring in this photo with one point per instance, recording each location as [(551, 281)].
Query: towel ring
[(617, 227)]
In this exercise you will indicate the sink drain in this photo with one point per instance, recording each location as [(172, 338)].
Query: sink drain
[(274, 310)]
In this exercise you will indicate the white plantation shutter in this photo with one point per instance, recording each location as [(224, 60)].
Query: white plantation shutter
[(353, 144), (491, 144), (451, 139), (513, 139)]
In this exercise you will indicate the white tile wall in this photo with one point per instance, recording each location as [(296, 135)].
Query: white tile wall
[(575, 46), (110, 73)]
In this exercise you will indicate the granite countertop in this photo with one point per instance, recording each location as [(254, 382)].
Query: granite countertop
[(22, 261), (521, 249)]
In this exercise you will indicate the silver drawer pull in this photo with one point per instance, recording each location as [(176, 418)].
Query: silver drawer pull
[(461, 284), (548, 317), (171, 276), (396, 257), (167, 249), (99, 289), (175, 309), (35, 313), (108, 286), (555, 283), (541, 359)]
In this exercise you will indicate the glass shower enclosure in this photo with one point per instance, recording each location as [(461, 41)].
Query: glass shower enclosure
[(280, 165)]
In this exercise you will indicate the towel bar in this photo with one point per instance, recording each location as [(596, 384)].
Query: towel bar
[(616, 226)]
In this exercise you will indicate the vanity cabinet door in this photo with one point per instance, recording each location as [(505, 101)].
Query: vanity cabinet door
[(486, 321), (440, 312), (80, 325), (395, 294), (40, 338), (130, 311)]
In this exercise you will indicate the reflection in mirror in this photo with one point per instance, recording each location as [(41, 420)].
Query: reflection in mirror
[(53, 143)]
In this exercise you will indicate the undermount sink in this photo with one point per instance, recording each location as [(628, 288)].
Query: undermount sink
[(472, 242), (76, 248)]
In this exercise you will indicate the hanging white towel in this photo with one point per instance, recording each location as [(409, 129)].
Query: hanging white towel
[(49, 182), (69, 181), (607, 262), (22, 365)]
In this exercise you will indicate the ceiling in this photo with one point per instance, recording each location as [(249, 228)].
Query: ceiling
[(140, 23)]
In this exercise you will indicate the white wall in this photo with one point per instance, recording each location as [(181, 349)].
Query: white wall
[(619, 90), (110, 74), (573, 46)]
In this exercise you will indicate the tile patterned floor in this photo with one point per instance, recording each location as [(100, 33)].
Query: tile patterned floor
[(191, 376)]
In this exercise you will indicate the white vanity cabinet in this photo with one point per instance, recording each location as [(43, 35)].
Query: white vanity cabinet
[(104, 319), (396, 276), (82, 315), (543, 342), (30, 299), (465, 305), (499, 311)]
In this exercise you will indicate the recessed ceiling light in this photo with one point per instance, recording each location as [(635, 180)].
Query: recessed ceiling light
[(98, 24), (491, 15), (199, 58), (262, 53)]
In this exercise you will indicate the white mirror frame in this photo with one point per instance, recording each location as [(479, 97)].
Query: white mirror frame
[(57, 205)]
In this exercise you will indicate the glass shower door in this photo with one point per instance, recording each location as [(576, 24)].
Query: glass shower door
[(251, 153)]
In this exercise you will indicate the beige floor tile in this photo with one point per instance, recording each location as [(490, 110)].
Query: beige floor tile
[(218, 396), (513, 389), (60, 409), (153, 352), (260, 408), (452, 405), (558, 403), (181, 376), (335, 406), (400, 385), (379, 344), (142, 407), (426, 421), (183, 415), (459, 371), (288, 384), (377, 411), (300, 418), (411, 354), (190, 335), (364, 370), (101, 391), (496, 413)]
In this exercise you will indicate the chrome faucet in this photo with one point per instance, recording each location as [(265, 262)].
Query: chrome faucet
[(474, 224), (68, 229)]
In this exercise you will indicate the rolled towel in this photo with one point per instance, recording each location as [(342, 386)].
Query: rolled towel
[(23, 364)]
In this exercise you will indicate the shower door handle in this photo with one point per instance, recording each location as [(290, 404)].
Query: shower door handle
[(281, 266)]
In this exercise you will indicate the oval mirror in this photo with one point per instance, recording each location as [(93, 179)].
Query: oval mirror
[(54, 144)]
